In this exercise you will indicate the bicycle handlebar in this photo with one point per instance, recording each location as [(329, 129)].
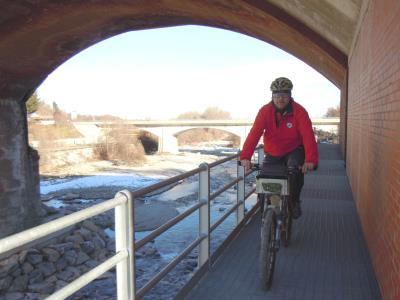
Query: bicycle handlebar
[(291, 169)]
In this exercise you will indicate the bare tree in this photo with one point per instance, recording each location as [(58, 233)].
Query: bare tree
[(333, 112)]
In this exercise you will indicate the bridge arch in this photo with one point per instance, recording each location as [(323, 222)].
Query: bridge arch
[(240, 132), (56, 32), (37, 37)]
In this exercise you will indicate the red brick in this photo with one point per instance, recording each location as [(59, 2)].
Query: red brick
[(373, 132)]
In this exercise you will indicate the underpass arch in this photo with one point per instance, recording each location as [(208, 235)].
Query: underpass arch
[(38, 37)]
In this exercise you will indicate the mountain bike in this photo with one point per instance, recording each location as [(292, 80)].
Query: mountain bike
[(275, 206)]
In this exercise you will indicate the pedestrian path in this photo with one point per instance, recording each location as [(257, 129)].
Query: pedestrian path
[(327, 258)]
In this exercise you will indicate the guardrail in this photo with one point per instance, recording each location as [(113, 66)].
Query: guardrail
[(124, 259)]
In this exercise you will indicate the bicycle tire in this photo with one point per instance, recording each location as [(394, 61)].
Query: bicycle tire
[(287, 228), (267, 249)]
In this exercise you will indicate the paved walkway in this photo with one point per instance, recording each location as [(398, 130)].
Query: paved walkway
[(327, 258)]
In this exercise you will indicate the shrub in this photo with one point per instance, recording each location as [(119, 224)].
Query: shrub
[(120, 144), (199, 135)]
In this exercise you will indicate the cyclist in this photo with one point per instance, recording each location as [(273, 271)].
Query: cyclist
[(288, 136)]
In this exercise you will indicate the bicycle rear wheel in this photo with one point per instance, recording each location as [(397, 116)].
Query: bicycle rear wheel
[(287, 228), (267, 249)]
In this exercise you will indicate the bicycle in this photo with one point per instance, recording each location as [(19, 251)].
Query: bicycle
[(273, 194)]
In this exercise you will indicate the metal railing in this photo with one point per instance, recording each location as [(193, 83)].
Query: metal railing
[(124, 259)]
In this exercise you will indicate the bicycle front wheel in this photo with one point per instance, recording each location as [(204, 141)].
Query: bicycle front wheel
[(267, 249)]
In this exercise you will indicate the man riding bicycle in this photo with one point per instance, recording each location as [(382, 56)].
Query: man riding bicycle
[(288, 137)]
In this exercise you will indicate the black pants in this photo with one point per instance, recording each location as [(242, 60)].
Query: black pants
[(274, 165)]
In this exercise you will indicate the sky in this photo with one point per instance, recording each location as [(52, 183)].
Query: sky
[(160, 73)]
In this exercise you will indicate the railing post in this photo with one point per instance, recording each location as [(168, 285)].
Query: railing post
[(124, 240), (260, 158), (204, 214), (240, 194)]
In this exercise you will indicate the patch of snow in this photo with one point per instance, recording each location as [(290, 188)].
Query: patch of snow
[(106, 179), (55, 203), (110, 233), (179, 190)]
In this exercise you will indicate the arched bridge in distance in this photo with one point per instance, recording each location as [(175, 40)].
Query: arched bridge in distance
[(167, 130)]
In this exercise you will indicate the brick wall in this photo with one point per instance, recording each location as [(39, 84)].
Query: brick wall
[(373, 141)]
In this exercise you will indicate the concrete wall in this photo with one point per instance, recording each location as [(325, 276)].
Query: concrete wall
[(373, 149), (19, 173)]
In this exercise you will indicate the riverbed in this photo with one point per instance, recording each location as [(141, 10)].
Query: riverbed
[(68, 193)]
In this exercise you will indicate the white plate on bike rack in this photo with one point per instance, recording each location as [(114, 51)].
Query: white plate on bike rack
[(272, 186)]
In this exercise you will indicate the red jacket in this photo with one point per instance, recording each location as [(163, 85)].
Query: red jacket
[(282, 134)]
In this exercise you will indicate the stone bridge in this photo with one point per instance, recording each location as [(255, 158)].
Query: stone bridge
[(167, 130)]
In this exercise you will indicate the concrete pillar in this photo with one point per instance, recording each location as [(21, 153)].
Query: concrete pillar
[(19, 172), (167, 142)]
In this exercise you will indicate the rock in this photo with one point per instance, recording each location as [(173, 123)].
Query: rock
[(61, 264), (35, 276), (5, 283), (8, 265), (92, 263), (19, 284), (111, 246), (105, 275), (63, 247), (42, 288), (82, 257), (101, 254), (71, 257), (27, 267), (69, 274), (46, 197), (51, 279), (22, 256), (88, 247), (84, 233), (47, 268), (91, 226), (83, 269), (33, 296), (75, 239), (150, 252), (34, 257), (50, 210), (104, 220), (50, 254), (60, 284), (98, 242), (14, 296), (70, 196), (16, 273)]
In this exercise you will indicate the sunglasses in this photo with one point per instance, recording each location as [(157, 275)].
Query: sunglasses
[(280, 95)]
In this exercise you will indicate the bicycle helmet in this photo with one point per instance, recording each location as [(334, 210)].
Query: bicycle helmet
[(281, 84)]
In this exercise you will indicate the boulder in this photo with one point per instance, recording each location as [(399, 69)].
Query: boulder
[(8, 265), (19, 284), (50, 254)]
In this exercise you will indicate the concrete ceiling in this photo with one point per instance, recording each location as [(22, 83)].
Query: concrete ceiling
[(36, 36), (336, 20)]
